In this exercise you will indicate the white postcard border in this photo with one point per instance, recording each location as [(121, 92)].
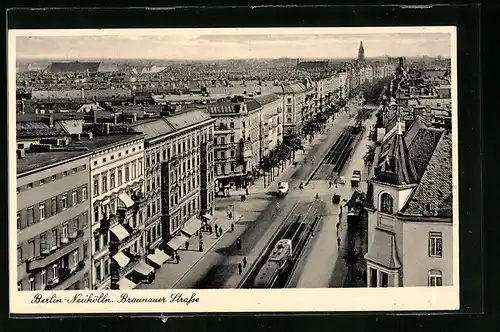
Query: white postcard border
[(224, 300)]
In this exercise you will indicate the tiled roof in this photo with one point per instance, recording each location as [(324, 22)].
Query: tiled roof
[(154, 128), (395, 166), (188, 118), (412, 130), (422, 147), (383, 251), (433, 195)]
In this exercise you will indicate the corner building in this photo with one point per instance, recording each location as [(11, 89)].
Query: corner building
[(53, 208), (118, 211)]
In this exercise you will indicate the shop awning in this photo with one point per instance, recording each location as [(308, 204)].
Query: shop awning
[(120, 232), (208, 216), (159, 257), (144, 269), (124, 200), (126, 283), (177, 241), (383, 250), (121, 259), (191, 226)]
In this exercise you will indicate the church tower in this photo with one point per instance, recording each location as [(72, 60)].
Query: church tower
[(361, 53)]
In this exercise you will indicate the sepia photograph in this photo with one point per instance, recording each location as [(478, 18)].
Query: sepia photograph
[(245, 169)]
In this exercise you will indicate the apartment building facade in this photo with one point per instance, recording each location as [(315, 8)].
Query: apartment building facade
[(119, 212), (53, 231), (179, 177), (246, 130)]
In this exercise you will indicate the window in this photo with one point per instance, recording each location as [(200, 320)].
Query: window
[(373, 278), (127, 173), (85, 220), (64, 201), (65, 232), (32, 283), (140, 166), (222, 140), (96, 185), (31, 215), (74, 198), (435, 244), (76, 257), (231, 138), (386, 203), (84, 194), (112, 179), (54, 271), (19, 255), (231, 125), (97, 243), (289, 100), (105, 239), (31, 252), (232, 167), (133, 171), (106, 267), (98, 273), (42, 211), (43, 277), (18, 217), (435, 278), (86, 283), (232, 153), (384, 279), (120, 176), (85, 250), (104, 182)]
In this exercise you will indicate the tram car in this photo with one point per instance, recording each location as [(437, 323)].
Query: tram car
[(277, 260)]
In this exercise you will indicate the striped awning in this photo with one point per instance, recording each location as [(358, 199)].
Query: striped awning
[(159, 257), (177, 241)]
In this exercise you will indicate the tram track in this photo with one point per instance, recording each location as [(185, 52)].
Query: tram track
[(296, 228)]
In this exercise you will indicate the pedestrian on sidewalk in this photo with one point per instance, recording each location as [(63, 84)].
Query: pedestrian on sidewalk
[(240, 269), (201, 236), (238, 244), (338, 242), (246, 191), (244, 262), (312, 160), (210, 229), (216, 229), (330, 184), (177, 258), (338, 225), (186, 245), (232, 227), (201, 245)]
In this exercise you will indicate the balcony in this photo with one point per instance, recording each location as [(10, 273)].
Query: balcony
[(139, 200), (50, 252), (67, 277), (106, 221)]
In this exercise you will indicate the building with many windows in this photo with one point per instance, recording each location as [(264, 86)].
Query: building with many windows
[(53, 207), (118, 210), (179, 177), (246, 129)]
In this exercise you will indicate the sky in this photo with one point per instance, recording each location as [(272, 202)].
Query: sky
[(214, 44)]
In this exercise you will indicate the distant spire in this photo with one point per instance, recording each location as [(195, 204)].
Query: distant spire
[(361, 52)]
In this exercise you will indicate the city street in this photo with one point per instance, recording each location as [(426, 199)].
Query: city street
[(217, 265), (322, 263)]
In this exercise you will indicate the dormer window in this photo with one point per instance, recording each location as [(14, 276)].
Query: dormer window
[(386, 203)]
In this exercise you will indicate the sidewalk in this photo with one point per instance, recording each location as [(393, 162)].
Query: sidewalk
[(171, 272)]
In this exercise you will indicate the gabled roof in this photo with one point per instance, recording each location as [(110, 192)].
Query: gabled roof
[(395, 165), (433, 195), (412, 130)]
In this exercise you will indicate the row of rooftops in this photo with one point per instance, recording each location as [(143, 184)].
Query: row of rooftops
[(417, 153)]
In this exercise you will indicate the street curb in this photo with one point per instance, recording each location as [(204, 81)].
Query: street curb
[(206, 252)]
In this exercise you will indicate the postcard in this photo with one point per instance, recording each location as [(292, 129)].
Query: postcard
[(233, 170)]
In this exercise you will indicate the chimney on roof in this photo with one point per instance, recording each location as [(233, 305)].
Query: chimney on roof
[(82, 93), (51, 121)]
